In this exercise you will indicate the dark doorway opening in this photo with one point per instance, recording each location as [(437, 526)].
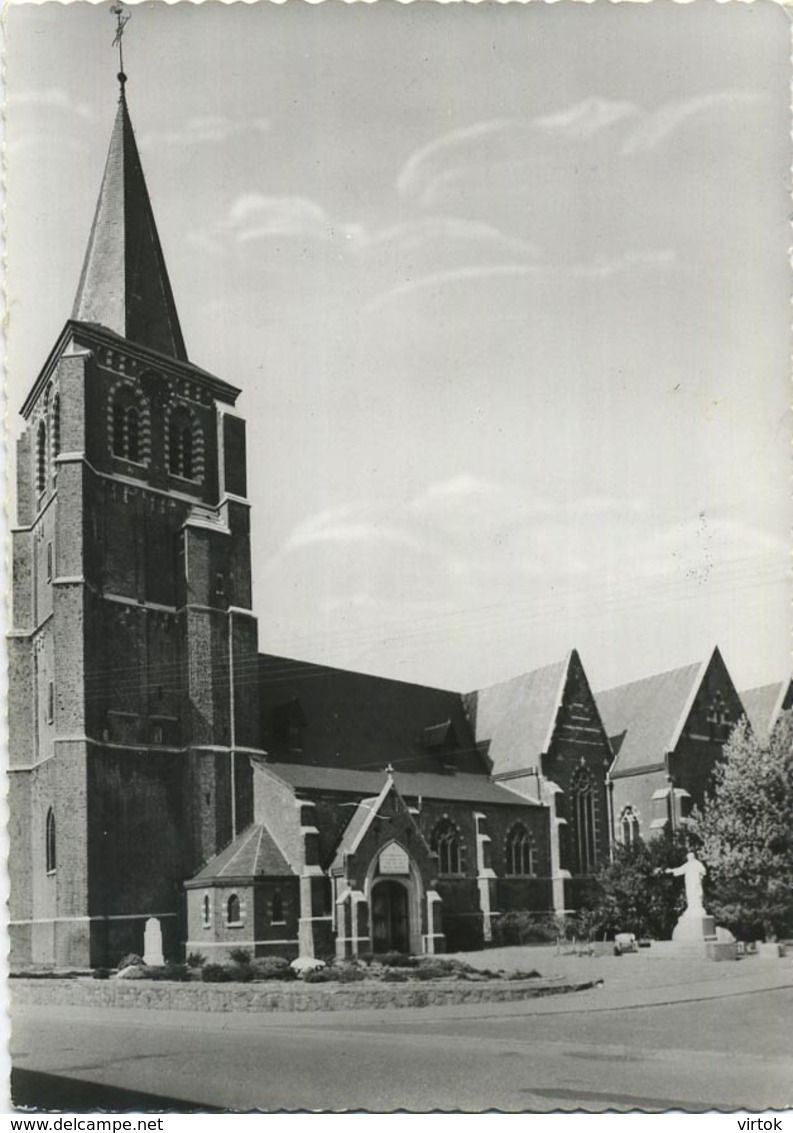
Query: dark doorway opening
[(390, 920)]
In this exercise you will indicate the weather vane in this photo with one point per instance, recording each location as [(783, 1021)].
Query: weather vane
[(122, 19)]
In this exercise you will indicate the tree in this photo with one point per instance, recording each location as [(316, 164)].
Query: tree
[(633, 896), (744, 833)]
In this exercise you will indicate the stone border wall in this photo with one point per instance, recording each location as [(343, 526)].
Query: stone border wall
[(263, 997)]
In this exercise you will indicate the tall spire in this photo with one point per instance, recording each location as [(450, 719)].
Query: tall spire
[(124, 284)]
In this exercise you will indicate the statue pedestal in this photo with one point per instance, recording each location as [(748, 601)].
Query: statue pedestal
[(694, 927)]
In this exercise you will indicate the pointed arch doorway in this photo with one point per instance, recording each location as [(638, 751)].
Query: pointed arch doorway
[(390, 916), (395, 893)]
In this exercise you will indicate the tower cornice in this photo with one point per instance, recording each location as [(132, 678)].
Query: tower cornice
[(93, 337)]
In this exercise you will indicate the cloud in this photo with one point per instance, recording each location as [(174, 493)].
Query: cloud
[(657, 127), (445, 230), (494, 140), (51, 99), (599, 268), (254, 216), (203, 130), (587, 118), (505, 142), (442, 279)]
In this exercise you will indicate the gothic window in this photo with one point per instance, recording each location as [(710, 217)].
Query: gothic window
[(233, 912), (129, 425), (185, 446), (584, 815), (629, 826), (278, 908), (521, 852), (445, 843), (50, 702), (206, 911), (50, 841), (41, 457), (718, 718), (56, 426), (49, 562)]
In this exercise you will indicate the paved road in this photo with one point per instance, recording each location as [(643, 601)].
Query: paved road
[(731, 1052)]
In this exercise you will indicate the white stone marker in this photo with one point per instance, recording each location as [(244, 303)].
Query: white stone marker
[(152, 943)]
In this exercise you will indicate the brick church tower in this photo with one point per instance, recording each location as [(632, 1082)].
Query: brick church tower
[(133, 705)]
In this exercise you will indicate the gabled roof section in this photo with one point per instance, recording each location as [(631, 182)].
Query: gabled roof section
[(357, 720), (124, 284), (363, 817), (253, 853), (765, 705), (645, 719), (301, 777), (518, 716)]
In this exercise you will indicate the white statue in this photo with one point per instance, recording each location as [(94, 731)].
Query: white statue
[(692, 871)]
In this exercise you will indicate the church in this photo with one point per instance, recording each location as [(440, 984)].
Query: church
[(162, 768)]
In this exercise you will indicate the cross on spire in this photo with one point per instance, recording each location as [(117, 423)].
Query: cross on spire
[(122, 19)]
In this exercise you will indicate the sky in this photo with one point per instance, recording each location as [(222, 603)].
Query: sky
[(506, 291)]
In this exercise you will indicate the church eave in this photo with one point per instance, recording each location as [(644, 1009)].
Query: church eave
[(93, 334)]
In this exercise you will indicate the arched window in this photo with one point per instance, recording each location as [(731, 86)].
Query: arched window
[(56, 426), (233, 913), (445, 843), (206, 911), (128, 423), (278, 908), (584, 816), (41, 457), (521, 852), (50, 841), (629, 826), (185, 448)]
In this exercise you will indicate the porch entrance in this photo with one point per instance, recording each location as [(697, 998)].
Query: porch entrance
[(390, 918)]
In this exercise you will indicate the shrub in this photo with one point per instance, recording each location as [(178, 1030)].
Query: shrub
[(178, 972), (520, 926), (240, 973), (240, 956), (519, 975), (320, 976), (130, 958), (390, 959), (196, 960), (215, 974), (272, 968), (100, 974), (395, 976)]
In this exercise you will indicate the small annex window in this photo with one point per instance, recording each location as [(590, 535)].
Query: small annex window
[(629, 826), (41, 457), (521, 852), (206, 911), (445, 842), (233, 910), (50, 846), (277, 908)]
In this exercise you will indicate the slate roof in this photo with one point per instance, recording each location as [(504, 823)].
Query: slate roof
[(252, 852), (643, 718), (363, 816), (124, 283), (350, 781), (518, 716), (765, 704), (355, 720)]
